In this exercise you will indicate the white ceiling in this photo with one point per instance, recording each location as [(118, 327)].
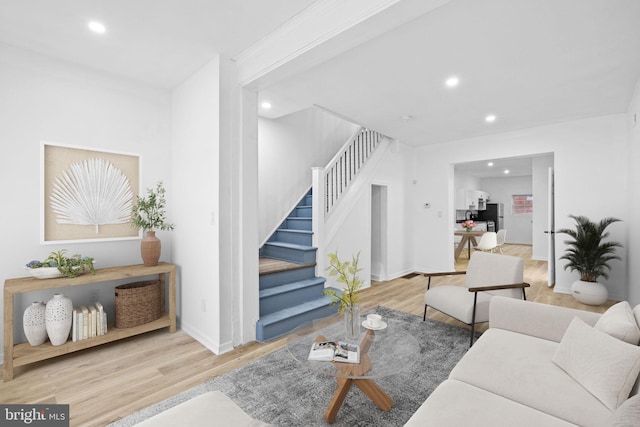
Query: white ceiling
[(517, 166), (530, 62), (160, 42)]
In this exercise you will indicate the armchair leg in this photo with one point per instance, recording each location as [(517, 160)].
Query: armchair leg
[(473, 318), (424, 316)]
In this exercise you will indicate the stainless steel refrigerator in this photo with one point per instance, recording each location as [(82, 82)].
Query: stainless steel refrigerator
[(494, 212)]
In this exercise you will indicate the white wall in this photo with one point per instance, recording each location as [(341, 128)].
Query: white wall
[(519, 227), (590, 161), (633, 195), (288, 148), (215, 179), (45, 99), (196, 159)]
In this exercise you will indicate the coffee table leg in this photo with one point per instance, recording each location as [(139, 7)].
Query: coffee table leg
[(375, 393), (344, 385)]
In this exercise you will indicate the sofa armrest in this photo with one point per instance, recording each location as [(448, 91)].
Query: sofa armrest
[(530, 318)]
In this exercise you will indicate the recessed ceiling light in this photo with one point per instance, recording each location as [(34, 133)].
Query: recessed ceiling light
[(452, 81), (506, 171), (407, 117), (97, 27), (490, 164), (490, 118), (266, 105)]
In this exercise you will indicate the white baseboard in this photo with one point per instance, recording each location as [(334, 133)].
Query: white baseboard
[(216, 348)]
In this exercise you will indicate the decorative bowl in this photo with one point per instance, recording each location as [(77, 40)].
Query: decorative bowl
[(44, 272)]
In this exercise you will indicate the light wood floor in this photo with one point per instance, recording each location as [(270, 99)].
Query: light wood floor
[(106, 383)]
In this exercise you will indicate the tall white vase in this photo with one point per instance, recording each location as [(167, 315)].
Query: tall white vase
[(33, 323), (58, 316)]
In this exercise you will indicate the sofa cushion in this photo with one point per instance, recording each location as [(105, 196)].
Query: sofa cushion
[(627, 415), (620, 322), (636, 314), (519, 367), (602, 364), (212, 408), (457, 302), (454, 403)]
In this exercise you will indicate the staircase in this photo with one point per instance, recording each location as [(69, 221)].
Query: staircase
[(290, 292)]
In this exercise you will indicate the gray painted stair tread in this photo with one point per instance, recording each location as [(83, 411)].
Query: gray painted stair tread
[(289, 230), (276, 290), (290, 246), (294, 311)]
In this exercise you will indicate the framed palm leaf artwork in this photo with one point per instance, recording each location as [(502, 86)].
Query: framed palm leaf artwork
[(87, 194)]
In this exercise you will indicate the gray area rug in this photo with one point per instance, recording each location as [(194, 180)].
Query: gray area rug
[(276, 390)]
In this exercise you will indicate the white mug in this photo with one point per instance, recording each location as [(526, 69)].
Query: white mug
[(374, 320)]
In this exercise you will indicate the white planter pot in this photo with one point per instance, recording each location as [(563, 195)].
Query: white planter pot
[(591, 293)]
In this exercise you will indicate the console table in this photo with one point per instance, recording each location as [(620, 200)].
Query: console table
[(23, 354)]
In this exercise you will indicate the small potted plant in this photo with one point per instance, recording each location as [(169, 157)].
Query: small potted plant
[(57, 264), (148, 214), (346, 273), (589, 255)]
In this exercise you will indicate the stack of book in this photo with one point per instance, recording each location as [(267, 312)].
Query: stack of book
[(88, 322)]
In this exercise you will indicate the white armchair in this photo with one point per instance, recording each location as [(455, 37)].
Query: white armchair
[(487, 275)]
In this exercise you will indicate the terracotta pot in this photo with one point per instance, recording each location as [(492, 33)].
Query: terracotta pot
[(150, 248)]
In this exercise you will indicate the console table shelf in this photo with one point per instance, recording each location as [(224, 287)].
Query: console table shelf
[(23, 354)]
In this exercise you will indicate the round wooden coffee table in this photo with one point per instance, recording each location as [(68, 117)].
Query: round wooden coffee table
[(383, 352)]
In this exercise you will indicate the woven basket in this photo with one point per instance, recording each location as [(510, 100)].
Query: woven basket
[(138, 303)]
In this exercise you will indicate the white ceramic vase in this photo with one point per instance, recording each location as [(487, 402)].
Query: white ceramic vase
[(590, 293), (33, 323), (58, 316)]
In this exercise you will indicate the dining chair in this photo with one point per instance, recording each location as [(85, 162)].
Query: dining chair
[(501, 236), (488, 242), (487, 275)]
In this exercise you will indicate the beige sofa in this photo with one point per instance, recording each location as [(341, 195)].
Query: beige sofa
[(212, 408), (537, 366)]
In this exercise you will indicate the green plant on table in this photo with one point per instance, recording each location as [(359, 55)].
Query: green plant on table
[(347, 273), (72, 266), (148, 213)]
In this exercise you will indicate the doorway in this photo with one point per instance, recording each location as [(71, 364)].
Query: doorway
[(379, 208), (503, 178)]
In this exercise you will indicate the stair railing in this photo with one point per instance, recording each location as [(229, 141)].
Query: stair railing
[(332, 181), (346, 164)]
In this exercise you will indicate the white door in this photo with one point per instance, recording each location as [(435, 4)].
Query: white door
[(551, 239)]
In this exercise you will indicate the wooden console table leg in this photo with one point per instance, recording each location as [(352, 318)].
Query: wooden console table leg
[(344, 385), (8, 336), (172, 299), (375, 393)]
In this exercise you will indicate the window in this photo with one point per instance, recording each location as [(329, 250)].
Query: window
[(522, 204)]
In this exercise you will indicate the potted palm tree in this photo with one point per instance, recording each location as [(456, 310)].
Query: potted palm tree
[(589, 255), (148, 214)]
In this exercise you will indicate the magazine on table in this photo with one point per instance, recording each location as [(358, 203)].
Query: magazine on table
[(330, 351)]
